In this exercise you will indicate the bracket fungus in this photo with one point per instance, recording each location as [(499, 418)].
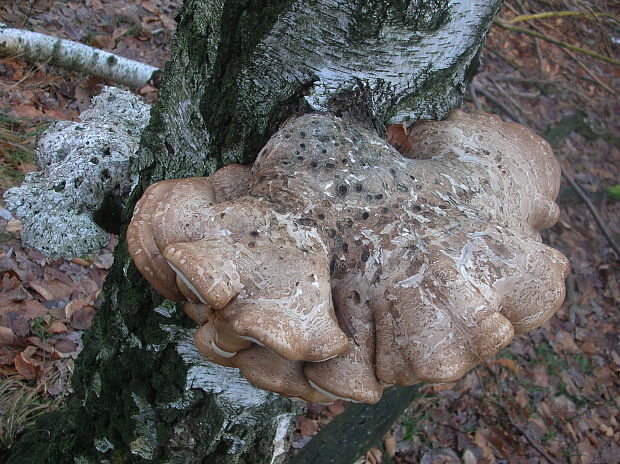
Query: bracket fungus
[(336, 266)]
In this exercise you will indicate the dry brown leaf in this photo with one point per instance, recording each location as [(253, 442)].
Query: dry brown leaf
[(65, 346), (81, 262), (307, 427), (73, 306), (604, 375), (148, 89), (45, 346), (57, 327), (104, 260), (101, 41), (14, 226), (119, 32), (26, 112), (16, 294), (28, 353), (335, 408), (7, 337), (32, 309), (481, 439), (469, 457), (41, 290), (539, 375), (589, 347), (83, 318), (150, 6), (397, 136), (27, 168), (18, 324), (586, 453), (51, 288), (57, 114), (606, 430), (507, 363), (389, 444), (7, 355), (373, 456), (23, 367), (563, 341)]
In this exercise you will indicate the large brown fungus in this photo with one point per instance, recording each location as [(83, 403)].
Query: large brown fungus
[(337, 266)]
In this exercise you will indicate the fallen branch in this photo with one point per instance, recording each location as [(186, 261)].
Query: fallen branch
[(560, 43), (75, 56), (349, 435)]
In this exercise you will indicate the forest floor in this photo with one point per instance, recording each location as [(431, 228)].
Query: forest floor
[(552, 396)]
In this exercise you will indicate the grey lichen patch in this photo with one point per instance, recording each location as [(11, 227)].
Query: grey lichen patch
[(85, 166), (103, 445)]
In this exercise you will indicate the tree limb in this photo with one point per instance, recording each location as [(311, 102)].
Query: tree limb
[(75, 56)]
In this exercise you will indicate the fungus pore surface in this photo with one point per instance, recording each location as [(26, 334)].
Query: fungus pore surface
[(336, 266)]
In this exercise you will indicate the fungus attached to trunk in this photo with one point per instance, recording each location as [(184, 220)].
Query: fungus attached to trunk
[(337, 266)]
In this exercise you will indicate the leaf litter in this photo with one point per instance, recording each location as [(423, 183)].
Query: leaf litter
[(552, 396)]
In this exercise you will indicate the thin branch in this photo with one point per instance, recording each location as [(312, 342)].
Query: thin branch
[(593, 210), (560, 43), (514, 103), (506, 60), (535, 443), (590, 73), (596, 79), (515, 117), (474, 97), (559, 14)]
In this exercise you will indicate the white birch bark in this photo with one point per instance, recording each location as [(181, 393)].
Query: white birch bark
[(74, 56)]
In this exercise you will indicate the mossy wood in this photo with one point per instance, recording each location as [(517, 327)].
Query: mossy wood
[(238, 70)]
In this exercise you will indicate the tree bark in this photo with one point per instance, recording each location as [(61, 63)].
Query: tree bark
[(352, 433), (75, 56), (239, 68)]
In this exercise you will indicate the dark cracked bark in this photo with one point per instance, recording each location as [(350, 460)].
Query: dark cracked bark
[(238, 70)]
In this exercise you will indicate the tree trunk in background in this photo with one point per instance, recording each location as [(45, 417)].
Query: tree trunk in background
[(238, 70)]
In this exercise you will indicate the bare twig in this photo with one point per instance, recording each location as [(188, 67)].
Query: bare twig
[(474, 97), (499, 104), (514, 103), (590, 73), (560, 14), (506, 60), (595, 78), (560, 43), (535, 443), (593, 211), (570, 297)]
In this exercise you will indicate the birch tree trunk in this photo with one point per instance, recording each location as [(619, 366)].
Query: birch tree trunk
[(240, 68)]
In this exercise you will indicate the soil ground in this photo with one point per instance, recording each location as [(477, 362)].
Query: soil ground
[(551, 397)]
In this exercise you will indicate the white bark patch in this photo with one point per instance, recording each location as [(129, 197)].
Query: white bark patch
[(74, 56)]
